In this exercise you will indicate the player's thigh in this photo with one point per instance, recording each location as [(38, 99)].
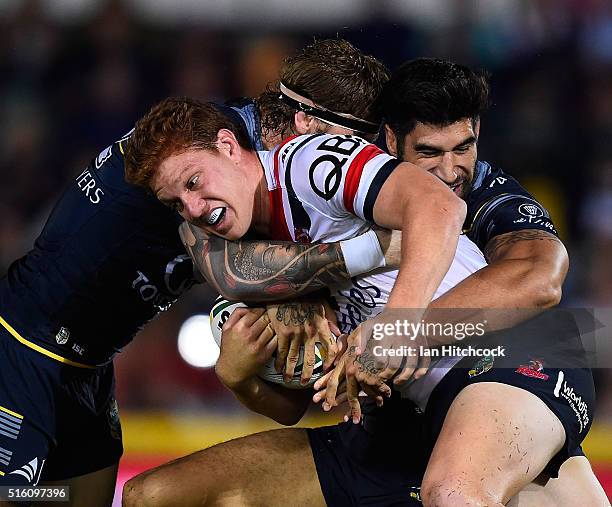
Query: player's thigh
[(95, 489), (576, 485), (274, 468), (495, 439)]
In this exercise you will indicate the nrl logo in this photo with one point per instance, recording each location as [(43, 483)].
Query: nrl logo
[(103, 156), (62, 336)]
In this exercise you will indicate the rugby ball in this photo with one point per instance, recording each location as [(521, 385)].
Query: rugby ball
[(221, 311)]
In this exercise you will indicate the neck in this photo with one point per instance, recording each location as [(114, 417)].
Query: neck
[(272, 139), (261, 220)]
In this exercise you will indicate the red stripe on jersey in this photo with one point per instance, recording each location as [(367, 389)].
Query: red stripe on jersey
[(278, 228), (276, 154), (353, 175)]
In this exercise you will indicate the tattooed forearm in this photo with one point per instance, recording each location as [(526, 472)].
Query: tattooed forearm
[(295, 314), (498, 244), (263, 270)]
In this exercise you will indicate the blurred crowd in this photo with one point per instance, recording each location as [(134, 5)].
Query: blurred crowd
[(67, 90)]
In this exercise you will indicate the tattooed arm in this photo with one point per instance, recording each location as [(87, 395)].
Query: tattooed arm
[(264, 270)]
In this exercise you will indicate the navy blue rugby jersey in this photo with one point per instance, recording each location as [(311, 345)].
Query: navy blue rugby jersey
[(498, 203), (107, 261)]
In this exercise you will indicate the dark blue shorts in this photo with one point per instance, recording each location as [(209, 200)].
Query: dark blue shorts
[(382, 461), (378, 464), (56, 421), (569, 394), (544, 357)]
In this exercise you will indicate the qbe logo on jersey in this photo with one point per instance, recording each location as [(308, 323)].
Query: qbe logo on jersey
[(325, 173), (580, 407)]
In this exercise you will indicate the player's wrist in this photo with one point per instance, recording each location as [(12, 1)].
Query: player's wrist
[(362, 254), (231, 378), (237, 385)]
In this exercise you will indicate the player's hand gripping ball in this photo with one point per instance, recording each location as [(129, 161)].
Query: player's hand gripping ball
[(221, 311)]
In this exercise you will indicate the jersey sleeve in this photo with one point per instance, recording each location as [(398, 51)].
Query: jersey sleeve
[(337, 175), (500, 205)]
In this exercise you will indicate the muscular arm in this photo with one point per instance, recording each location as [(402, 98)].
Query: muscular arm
[(430, 218), (247, 343), (285, 406), (263, 270), (525, 274)]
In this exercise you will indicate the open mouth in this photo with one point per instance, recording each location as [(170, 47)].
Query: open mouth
[(216, 216)]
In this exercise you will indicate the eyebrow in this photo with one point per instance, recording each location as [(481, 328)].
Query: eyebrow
[(168, 202), (429, 147), (468, 140), (176, 181), (165, 202)]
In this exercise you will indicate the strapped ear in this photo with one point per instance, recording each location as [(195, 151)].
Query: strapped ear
[(391, 140), (304, 123)]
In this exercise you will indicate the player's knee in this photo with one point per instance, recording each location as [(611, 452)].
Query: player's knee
[(596, 496), (132, 491), (453, 492), (147, 490)]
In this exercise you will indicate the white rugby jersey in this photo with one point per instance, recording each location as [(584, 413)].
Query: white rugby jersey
[(323, 189), (365, 296)]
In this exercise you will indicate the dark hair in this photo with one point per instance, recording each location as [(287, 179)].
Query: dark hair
[(332, 73), (435, 92), (171, 127)]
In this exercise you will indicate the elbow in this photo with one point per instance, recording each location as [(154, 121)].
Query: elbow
[(453, 207), (231, 294), (288, 419), (547, 295), (541, 292), (459, 210), (252, 294), (237, 294), (547, 279), (292, 415)]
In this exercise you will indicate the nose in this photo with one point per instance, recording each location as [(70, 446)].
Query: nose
[(192, 207), (445, 170)]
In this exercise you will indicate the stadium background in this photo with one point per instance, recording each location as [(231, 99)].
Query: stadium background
[(76, 74)]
